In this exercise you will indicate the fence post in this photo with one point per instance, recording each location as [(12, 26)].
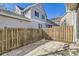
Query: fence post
[(6, 39), (12, 37), (1, 42), (17, 38), (2, 47)]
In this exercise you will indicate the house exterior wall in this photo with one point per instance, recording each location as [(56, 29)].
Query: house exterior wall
[(31, 12), (15, 23), (28, 14), (77, 25), (41, 12), (17, 10), (67, 19), (36, 25), (39, 9), (31, 15), (34, 22)]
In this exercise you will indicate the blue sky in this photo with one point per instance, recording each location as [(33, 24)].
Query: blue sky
[(53, 10)]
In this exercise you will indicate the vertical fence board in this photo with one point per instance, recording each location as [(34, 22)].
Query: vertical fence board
[(1, 37), (61, 33)]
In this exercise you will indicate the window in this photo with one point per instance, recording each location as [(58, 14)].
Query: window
[(37, 14), (46, 26), (43, 17), (40, 26), (65, 22)]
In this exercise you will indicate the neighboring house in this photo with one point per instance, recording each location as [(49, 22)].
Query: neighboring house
[(66, 19), (56, 20), (63, 20), (36, 13), (13, 20), (53, 22), (33, 16), (18, 10)]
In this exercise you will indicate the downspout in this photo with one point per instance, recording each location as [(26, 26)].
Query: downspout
[(74, 18)]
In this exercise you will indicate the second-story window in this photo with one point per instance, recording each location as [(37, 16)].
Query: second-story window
[(43, 17), (36, 13)]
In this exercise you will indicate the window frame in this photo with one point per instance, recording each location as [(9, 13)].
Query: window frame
[(43, 17), (36, 14)]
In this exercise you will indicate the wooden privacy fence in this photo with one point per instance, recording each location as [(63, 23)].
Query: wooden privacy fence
[(61, 33), (11, 38)]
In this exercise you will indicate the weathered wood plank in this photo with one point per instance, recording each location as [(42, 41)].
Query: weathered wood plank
[(61, 33)]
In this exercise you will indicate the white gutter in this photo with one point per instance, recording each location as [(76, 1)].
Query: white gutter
[(39, 21)]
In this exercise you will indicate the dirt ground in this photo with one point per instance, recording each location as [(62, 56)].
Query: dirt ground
[(46, 48)]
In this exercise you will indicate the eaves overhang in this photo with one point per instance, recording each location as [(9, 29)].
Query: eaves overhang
[(72, 6), (13, 15)]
